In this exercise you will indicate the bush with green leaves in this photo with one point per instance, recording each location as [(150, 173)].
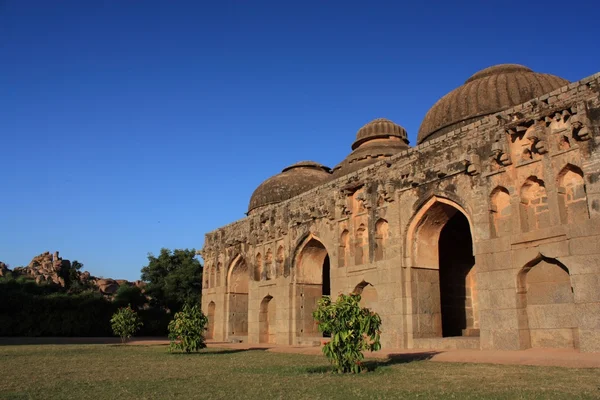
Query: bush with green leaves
[(186, 330), (125, 322), (353, 329)]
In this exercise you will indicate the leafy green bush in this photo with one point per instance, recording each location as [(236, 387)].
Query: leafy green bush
[(130, 295), (186, 330), (28, 309), (156, 321), (353, 330), (125, 322)]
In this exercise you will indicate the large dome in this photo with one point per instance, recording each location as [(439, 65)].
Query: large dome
[(292, 181), (378, 139), (488, 91)]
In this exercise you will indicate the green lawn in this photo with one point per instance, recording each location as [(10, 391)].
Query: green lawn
[(150, 372)]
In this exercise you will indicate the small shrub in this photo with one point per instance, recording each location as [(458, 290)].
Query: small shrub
[(125, 322), (353, 330), (186, 330)]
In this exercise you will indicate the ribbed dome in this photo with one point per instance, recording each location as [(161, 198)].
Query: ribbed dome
[(488, 91), (378, 139), (292, 181), (379, 128)]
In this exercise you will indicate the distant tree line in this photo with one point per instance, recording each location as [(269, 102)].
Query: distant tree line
[(172, 279)]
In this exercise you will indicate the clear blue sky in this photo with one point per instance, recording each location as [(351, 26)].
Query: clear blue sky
[(129, 125)]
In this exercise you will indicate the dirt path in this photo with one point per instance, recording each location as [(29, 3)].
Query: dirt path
[(542, 357)]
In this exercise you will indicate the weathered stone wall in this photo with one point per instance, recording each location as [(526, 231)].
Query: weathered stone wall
[(527, 182)]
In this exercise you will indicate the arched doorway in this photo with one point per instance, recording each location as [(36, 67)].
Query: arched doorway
[(312, 282), (237, 293), (210, 314), (442, 273), (266, 321)]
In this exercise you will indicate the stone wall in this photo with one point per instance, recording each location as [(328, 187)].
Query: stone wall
[(523, 183)]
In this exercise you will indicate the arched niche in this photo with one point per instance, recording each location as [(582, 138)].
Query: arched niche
[(267, 332), (268, 272), (360, 245), (237, 295), (440, 244), (572, 197), (210, 314), (212, 277), (258, 267), (280, 262), (218, 274), (546, 302), (381, 237), (500, 212), (343, 249), (368, 295), (534, 211), (312, 281)]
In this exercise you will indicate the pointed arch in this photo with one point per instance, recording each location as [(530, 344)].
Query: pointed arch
[(534, 211), (212, 277), (368, 295), (360, 245), (439, 245), (311, 282), (572, 196), (343, 248), (381, 237), (280, 262), (268, 272), (238, 279), (258, 267), (545, 299), (219, 272), (267, 329), (210, 314), (500, 212)]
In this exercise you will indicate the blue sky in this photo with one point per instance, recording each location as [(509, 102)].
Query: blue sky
[(127, 126)]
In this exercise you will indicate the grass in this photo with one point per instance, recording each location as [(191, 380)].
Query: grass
[(150, 372)]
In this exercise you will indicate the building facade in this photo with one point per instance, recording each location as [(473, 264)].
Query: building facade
[(486, 234)]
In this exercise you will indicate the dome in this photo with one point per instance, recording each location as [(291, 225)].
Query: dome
[(292, 181), (379, 128), (376, 140), (488, 91)]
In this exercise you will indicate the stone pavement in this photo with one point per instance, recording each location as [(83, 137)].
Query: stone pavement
[(541, 357)]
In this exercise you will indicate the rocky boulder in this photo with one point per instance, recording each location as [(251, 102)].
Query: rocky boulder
[(4, 269)]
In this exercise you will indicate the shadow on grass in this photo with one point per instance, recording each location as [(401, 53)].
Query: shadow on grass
[(65, 340), (373, 365), (208, 352)]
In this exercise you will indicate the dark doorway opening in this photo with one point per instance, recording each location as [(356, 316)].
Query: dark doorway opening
[(326, 288), (455, 263)]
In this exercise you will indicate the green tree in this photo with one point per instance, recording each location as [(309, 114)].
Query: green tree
[(130, 295), (173, 279), (186, 330), (353, 330), (125, 322)]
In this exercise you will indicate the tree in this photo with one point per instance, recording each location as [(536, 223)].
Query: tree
[(125, 322), (353, 330), (173, 279), (186, 330), (131, 295)]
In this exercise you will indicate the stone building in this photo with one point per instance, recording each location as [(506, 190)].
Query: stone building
[(484, 235)]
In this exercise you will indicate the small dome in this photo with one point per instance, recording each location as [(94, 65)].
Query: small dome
[(379, 128), (488, 91), (292, 181), (376, 140), (369, 153)]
